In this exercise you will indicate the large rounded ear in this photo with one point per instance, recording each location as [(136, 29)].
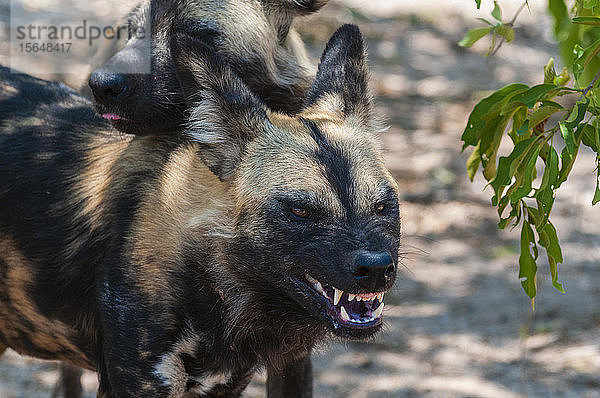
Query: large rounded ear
[(224, 115), (342, 81)]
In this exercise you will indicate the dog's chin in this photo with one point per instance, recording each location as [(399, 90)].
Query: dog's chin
[(349, 316), (357, 334)]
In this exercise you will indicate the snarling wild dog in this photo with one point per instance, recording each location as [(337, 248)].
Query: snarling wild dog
[(178, 264), (254, 36)]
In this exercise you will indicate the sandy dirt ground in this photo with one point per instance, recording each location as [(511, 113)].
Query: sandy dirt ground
[(457, 321)]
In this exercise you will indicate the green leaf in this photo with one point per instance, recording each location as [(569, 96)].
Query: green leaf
[(566, 164), (507, 165), (533, 95), (591, 137), (478, 2), (490, 139), (497, 12), (527, 266), (578, 50), (515, 213), (593, 21), (596, 198), (545, 193), (583, 57), (481, 111), (526, 173), (549, 240), (547, 109), (485, 21), (590, 4), (520, 125), (590, 52), (562, 19), (489, 170), (566, 132), (577, 114), (473, 35), (549, 72), (563, 78), (551, 170), (473, 163)]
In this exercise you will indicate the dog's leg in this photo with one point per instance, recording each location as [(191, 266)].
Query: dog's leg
[(101, 394), (295, 381), (69, 384), (71, 380)]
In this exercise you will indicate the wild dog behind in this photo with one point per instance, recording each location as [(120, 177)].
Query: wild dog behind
[(179, 264), (254, 36)]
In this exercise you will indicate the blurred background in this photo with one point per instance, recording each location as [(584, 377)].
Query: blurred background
[(457, 322)]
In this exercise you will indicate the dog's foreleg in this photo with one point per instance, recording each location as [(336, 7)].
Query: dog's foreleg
[(71, 381), (294, 381)]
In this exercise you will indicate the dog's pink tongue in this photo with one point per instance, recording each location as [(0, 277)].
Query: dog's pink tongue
[(111, 116)]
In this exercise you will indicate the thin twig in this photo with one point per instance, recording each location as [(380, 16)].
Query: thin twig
[(510, 25), (591, 85), (512, 22)]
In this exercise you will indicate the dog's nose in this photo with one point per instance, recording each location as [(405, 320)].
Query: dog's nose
[(373, 270), (107, 87)]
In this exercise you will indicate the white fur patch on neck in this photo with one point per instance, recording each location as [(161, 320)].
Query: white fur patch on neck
[(208, 381), (170, 368)]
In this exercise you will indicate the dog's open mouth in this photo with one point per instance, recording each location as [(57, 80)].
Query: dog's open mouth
[(119, 120), (360, 310)]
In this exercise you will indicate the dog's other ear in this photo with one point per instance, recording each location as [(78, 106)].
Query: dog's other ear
[(224, 115), (282, 13), (305, 6), (342, 81)]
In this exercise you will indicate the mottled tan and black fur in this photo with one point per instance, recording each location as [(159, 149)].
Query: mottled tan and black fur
[(254, 36), (176, 265)]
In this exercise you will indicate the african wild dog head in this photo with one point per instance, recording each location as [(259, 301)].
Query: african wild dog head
[(316, 227), (254, 36)]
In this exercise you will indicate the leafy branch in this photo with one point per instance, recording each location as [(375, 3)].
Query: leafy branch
[(500, 32), (545, 136)]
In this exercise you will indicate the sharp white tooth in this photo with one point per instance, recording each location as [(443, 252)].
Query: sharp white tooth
[(337, 295), (318, 286), (320, 289), (351, 297), (378, 311), (380, 297), (344, 314)]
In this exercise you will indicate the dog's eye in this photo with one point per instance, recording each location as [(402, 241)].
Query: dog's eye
[(300, 212), (380, 207)]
